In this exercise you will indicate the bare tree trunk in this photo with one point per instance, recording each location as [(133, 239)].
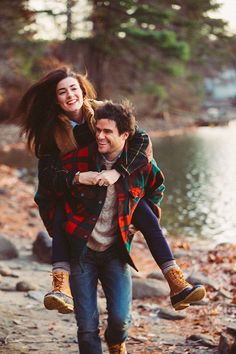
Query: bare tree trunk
[(69, 22)]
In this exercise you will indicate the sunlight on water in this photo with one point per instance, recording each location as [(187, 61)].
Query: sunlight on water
[(200, 170)]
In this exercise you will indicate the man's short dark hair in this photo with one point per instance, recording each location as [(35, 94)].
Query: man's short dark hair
[(122, 114)]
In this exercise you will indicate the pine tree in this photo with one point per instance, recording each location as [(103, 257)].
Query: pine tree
[(141, 34), (15, 18)]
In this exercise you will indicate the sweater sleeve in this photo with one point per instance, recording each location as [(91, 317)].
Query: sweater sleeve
[(136, 156)]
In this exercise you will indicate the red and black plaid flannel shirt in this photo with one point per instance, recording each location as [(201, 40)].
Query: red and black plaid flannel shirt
[(83, 204)]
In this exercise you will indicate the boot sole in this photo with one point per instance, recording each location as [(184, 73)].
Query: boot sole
[(54, 303), (181, 306), (195, 296)]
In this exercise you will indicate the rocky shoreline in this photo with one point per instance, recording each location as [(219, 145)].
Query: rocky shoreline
[(26, 327), (207, 328)]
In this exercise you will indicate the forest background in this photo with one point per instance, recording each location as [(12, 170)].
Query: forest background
[(155, 53)]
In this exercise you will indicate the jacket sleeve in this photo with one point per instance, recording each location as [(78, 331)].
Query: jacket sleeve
[(136, 156), (52, 176)]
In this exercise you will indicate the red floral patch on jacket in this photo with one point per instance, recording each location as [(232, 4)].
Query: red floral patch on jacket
[(136, 191)]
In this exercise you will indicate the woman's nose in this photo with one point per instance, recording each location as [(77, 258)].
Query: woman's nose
[(69, 93)]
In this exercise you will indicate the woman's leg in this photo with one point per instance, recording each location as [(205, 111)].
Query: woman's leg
[(181, 292), (60, 298), (147, 222), (60, 245)]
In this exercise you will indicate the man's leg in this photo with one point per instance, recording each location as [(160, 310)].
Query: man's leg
[(115, 277), (83, 279)]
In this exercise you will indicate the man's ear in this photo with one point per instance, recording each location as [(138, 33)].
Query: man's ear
[(126, 135)]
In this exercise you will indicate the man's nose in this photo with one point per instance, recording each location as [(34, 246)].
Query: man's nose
[(100, 135)]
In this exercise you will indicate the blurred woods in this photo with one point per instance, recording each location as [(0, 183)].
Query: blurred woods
[(156, 53)]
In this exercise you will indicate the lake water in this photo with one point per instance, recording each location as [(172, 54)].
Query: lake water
[(200, 171)]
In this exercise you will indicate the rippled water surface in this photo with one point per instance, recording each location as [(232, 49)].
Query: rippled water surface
[(200, 171)]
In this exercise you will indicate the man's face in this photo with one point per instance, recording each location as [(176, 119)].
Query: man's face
[(110, 142)]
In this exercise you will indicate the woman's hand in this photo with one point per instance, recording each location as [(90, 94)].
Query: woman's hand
[(132, 229), (149, 151), (107, 177), (89, 178)]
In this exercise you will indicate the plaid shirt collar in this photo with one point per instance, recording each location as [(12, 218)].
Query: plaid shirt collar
[(121, 157)]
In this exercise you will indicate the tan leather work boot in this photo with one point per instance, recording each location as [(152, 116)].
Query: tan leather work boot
[(59, 298), (183, 294), (117, 348)]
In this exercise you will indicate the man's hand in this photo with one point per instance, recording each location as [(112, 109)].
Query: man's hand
[(89, 178), (107, 177)]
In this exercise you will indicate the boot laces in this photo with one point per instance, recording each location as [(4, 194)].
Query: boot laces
[(178, 277), (57, 281)]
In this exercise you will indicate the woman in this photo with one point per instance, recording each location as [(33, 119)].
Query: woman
[(57, 116)]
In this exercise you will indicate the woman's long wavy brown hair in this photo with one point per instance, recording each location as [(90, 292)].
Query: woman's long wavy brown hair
[(38, 110)]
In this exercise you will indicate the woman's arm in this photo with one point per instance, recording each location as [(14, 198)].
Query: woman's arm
[(154, 187), (52, 176), (136, 154)]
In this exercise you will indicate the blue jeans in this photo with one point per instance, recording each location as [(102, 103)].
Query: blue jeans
[(115, 277)]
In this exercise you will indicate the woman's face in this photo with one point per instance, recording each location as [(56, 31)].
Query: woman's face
[(69, 95)]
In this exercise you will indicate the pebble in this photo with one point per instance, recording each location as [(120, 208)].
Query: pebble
[(198, 278), (6, 272), (146, 288), (202, 339), (7, 249), (36, 295), (24, 286), (42, 247), (168, 314)]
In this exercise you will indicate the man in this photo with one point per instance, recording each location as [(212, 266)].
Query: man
[(97, 223)]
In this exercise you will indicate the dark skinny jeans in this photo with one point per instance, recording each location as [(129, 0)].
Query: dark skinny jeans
[(143, 219)]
